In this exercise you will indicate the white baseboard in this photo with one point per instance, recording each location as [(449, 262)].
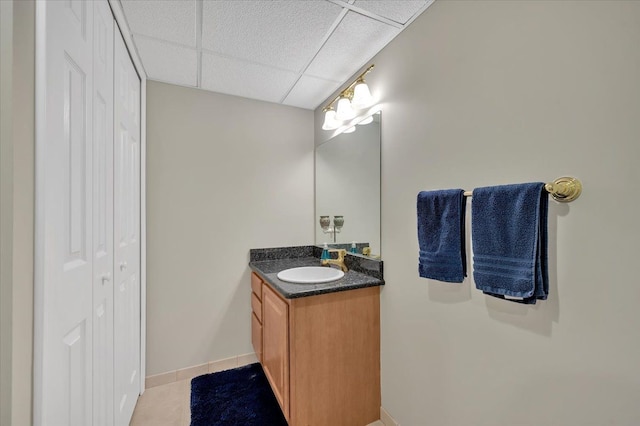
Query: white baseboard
[(189, 373), (386, 418)]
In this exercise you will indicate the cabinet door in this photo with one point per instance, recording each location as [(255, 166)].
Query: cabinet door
[(256, 336), (275, 345)]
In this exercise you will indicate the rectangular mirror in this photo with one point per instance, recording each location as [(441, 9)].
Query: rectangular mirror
[(348, 188)]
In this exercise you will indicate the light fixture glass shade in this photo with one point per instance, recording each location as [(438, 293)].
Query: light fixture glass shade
[(367, 120), (345, 111), (350, 129), (362, 96), (330, 122)]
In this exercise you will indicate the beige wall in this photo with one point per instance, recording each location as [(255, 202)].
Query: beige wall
[(24, 205), (224, 174), (18, 121), (6, 207), (481, 93)]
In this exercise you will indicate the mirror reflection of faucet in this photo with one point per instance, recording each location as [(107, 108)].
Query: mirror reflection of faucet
[(325, 223)]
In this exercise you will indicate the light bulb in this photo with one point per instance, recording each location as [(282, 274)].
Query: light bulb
[(350, 129), (367, 120), (330, 122), (361, 96), (345, 111)]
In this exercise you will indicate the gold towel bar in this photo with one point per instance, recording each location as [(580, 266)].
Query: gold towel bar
[(564, 189)]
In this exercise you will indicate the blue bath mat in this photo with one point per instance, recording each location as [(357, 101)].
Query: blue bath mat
[(241, 397)]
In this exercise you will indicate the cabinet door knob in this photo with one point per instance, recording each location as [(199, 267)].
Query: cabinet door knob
[(106, 278), (123, 266)]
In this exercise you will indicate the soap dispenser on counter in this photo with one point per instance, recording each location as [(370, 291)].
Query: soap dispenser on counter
[(325, 253)]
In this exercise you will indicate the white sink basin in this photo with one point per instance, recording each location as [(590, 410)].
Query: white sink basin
[(310, 275)]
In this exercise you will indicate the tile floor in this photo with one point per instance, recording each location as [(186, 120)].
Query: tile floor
[(165, 405), (168, 405)]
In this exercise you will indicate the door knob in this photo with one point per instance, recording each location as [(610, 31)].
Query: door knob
[(106, 278), (123, 266)]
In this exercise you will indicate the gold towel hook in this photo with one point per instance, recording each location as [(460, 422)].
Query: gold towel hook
[(564, 189)]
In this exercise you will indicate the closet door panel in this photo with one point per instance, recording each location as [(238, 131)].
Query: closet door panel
[(126, 233), (87, 301), (103, 407), (64, 319)]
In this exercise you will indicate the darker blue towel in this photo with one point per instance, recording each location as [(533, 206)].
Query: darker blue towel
[(441, 235), (509, 235)]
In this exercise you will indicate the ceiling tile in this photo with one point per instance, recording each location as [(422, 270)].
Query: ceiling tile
[(284, 34), (168, 62), (167, 20), (310, 91), (235, 77), (356, 40), (397, 10)]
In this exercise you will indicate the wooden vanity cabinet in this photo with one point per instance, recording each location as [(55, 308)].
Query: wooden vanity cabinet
[(275, 345), (256, 315), (321, 355)]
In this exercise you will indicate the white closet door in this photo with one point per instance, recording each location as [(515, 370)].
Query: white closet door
[(102, 250), (64, 305), (126, 234)]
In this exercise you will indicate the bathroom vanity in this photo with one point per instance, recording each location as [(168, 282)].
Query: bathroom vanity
[(319, 344)]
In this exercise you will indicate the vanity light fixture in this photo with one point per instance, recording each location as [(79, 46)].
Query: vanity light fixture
[(361, 95), (345, 111), (350, 129), (354, 99), (330, 122)]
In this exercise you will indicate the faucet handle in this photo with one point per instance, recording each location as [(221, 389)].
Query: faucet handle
[(341, 253), (339, 261)]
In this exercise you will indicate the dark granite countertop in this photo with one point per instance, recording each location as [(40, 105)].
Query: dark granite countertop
[(268, 267)]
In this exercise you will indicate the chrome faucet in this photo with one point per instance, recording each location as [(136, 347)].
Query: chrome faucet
[(339, 261)]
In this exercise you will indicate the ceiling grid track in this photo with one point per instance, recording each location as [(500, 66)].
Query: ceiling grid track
[(326, 38), (199, 41), (172, 36), (418, 13), (160, 40), (239, 59), (368, 14)]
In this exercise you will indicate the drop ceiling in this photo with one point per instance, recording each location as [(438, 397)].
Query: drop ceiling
[(295, 52)]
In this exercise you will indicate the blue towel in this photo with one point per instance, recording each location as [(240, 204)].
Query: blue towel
[(509, 235), (441, 235)]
